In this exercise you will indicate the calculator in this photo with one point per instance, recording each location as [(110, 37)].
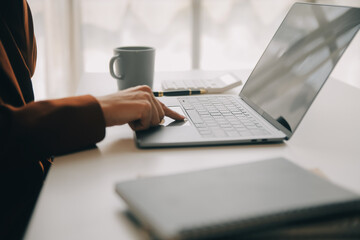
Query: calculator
[(218, 84)]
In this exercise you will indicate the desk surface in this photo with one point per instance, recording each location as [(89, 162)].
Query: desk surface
[(78, 200)]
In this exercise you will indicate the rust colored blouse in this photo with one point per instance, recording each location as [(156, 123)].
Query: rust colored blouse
[(32, 132)]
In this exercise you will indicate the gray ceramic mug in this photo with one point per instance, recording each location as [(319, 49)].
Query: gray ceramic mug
[(133, 66)]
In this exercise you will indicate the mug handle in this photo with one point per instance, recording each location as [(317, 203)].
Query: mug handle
[(111, 66)]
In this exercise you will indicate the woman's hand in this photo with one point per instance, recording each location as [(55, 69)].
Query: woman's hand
[(136, 106)]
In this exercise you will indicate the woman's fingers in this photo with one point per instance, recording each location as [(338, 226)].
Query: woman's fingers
[(172, 114), (136, 106)]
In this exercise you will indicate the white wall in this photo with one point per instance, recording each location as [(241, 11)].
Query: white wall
[(234, 33)]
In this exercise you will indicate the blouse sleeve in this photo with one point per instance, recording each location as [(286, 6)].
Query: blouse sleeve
[(31, 131), (41, 129)]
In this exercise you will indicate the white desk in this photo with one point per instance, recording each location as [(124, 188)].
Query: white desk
[(78, 199)]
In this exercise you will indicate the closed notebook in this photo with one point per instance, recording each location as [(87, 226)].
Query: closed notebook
[(275, 199)]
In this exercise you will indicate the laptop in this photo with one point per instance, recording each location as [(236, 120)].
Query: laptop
[(279, 91)]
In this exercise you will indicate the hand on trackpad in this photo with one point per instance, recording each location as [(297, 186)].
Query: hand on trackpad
[(169, 122)]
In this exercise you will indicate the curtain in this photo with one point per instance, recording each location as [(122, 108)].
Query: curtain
[(57, 73)]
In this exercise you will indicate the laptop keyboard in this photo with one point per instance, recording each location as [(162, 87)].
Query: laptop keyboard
[(221, 116)]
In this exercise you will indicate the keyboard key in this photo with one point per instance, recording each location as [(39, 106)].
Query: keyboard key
[(195, 117), (232, 133), (219, 133)]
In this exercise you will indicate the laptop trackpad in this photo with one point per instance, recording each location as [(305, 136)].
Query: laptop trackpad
[(169, 122)]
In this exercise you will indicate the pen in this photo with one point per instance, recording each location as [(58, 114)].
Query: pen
[(179, 92)]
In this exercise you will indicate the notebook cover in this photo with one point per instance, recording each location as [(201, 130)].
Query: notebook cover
[(242, 199)]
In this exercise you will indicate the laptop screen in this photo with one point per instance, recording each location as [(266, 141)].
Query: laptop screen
[(298, 60)]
